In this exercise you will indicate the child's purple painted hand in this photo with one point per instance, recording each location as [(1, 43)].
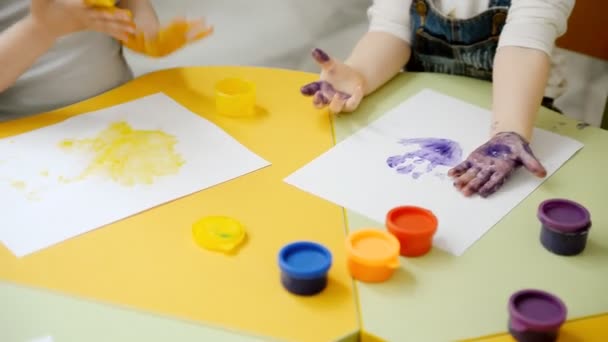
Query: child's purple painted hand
[(489, 166), (340, 87)]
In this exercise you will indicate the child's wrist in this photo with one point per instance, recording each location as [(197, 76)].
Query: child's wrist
[(498, 129), (362, 80)]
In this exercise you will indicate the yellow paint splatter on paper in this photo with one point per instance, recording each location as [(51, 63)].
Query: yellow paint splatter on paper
[(129, 156), (19, 185), (22, 186)]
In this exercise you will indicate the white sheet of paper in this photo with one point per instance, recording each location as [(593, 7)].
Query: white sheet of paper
[(43, 211), (355, 173)]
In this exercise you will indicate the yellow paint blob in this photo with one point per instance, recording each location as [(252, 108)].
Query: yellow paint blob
[(19, 185), (129, 156), (100, 3)]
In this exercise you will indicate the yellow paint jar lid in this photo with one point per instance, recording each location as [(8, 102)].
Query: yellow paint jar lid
[(218, 233)]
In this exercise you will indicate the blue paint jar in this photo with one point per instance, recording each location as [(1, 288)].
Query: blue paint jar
[(304, 266)]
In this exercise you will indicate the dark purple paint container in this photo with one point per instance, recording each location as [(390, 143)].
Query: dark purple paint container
[(535, 316), (565, 226)]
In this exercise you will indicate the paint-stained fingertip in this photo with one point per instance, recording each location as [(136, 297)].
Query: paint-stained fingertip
[(320, 55), (542, 173), (310, 89), (536, 169)]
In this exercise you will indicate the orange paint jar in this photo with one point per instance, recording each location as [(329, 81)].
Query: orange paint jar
[(373, 255), (414, 227)]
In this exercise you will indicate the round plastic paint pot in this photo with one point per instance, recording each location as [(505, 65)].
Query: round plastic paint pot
[(535, 316), (565, 226), (218, 233), (304, 266), (414, 227), (373, 255), (235, 97)]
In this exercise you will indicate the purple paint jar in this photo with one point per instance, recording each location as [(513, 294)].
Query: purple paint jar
[(565, 226), (535, 316)]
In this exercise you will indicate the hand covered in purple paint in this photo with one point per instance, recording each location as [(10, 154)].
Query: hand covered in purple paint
[(340, 87), (490, 165)]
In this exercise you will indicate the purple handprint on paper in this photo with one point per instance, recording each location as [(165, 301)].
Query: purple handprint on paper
[(433, 151)]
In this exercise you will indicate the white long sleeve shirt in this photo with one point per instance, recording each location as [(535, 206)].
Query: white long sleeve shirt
[(534, 24)]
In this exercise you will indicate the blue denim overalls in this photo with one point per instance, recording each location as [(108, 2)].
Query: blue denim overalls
[(464, 47)]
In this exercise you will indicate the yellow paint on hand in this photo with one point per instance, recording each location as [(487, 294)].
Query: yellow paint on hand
[(129, 156), (100, 3)]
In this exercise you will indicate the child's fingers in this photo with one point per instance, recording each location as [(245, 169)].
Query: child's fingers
[(117, 24), (532, 164), (119, 31), (322, 59), (355, 99), (474, 185), (320, 100), (460, 169), (466, 177), (179, 20), (116, 15), (337, 103), (492, 185), (197, 31), (310, 89)]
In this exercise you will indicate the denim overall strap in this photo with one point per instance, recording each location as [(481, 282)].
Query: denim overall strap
[(463, 47), (499, 3)]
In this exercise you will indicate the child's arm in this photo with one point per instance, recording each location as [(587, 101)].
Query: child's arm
[(523, 62), (28, 39), (378, 56), (521, 69), (20, 46), (520, 77)]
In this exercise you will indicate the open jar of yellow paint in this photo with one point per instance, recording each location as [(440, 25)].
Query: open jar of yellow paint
[(235, 97)]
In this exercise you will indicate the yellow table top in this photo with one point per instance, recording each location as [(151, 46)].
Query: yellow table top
[(149, 264)]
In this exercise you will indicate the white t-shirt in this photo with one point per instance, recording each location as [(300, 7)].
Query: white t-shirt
[(534, 24), (77, 67)]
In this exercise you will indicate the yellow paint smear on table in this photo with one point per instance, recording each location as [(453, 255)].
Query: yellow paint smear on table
[(129, 156)]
